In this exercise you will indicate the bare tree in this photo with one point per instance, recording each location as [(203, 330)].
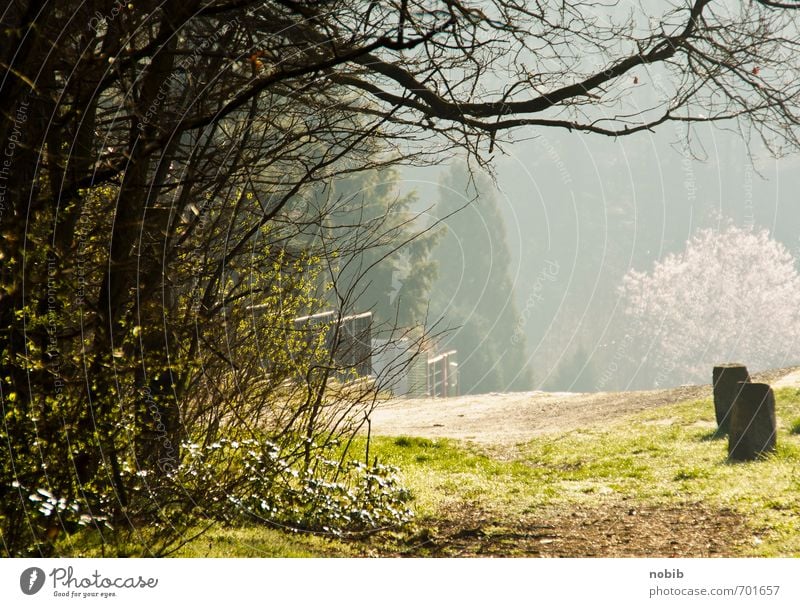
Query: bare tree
[(155, 162)]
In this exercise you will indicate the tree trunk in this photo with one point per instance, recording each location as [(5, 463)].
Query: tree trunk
[(726, 378), (752, 422)]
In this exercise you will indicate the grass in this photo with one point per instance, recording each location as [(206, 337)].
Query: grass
[(667, 456), (261, 542), (219, 542)]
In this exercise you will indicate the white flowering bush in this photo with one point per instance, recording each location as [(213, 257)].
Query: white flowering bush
[(49, 513), (274, 488), (731, 295), (285, 486)]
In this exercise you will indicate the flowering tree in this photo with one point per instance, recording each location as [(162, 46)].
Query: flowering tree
[(730, 295), (158, 160)]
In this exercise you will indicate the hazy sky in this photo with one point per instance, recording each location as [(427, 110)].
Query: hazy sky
[(599, 207)]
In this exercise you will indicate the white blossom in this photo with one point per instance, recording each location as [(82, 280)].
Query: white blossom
[(731, 295)]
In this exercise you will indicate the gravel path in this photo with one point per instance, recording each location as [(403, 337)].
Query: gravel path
[(511, 418)]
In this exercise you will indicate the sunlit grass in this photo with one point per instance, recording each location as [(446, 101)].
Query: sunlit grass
[(217, 542), (666, 456), (262, 542)]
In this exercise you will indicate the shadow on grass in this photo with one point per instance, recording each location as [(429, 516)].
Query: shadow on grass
[(714, 435)]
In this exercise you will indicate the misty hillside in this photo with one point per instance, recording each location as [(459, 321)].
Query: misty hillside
[(581, 213)]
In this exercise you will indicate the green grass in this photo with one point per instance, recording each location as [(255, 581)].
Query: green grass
[(665, 456), (261, 542), (218, 542)]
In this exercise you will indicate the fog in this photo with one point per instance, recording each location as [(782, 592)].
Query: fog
[(579, 212)]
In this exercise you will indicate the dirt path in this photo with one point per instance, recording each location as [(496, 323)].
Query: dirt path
[(516, 417), (617, 526), (614, 529)]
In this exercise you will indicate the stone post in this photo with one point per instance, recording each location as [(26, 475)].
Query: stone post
[(752, 423), (726, 378)]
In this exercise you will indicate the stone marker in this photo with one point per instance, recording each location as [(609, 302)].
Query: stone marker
[(726, 378), (752, 423)]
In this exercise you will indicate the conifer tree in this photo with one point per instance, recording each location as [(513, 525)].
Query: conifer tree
[(474, 294)]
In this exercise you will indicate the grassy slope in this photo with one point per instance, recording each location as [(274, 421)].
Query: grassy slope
[(665, 456)]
